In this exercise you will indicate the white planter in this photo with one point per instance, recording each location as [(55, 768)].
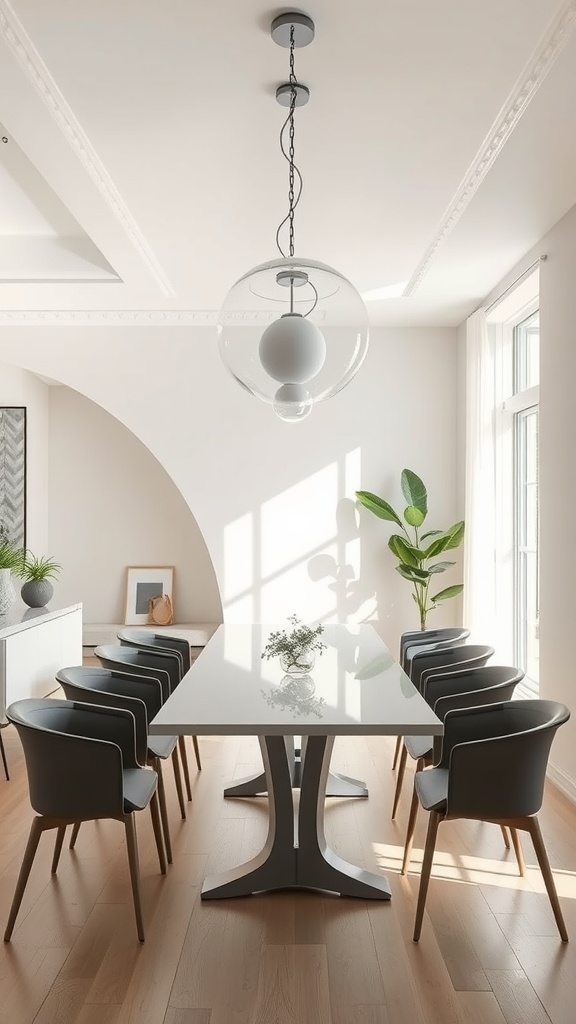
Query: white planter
[(7, 592)]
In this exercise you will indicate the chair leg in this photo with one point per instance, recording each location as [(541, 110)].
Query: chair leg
[(410, 830), (178, 781), (163, 810), (74, 836), (132, 848), (4, 761), (184, 759), (155, 815), (397, 750), (433, 823), (518, 851), (505, 836), (399, 780), (58, 847), (533, 827), (36, 829), (197, 752)]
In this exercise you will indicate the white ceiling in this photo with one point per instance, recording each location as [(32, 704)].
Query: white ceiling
[(142, 156)]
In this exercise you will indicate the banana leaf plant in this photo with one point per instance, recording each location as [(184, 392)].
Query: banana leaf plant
[(417, 552)]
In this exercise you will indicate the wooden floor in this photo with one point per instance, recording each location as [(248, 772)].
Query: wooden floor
[(489, 951)]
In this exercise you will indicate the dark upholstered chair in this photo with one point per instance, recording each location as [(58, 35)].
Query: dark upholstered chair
[(161, 641), (143, 697), (82, 765), (463, 688), (163, 665), (493, 768)]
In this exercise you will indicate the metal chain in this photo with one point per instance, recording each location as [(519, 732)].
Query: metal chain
[(293, 82)]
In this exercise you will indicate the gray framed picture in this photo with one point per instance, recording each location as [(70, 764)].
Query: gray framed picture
[(13, 475), (143, 584)]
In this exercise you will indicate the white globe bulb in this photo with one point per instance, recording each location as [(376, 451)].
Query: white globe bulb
[(292, 350), (292, 403)]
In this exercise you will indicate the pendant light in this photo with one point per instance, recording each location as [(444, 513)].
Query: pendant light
[(292, 331)]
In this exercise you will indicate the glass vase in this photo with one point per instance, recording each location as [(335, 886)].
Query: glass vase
[(299, 663)]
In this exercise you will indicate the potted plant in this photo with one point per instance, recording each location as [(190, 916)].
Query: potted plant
[(295, 649), (11, 563), (417, 552), (37, 591)]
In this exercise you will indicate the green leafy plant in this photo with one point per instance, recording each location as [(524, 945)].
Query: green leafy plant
[(294, 643), (416, 551), (11, 558), (34, 568)]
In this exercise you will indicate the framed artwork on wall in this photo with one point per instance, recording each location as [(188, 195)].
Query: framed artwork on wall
[(13, 475), (144, 583)]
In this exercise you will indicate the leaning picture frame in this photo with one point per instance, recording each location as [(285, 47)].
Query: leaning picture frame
[(143, 583)]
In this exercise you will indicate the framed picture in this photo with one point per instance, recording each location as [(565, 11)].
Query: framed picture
[(143, 582), (13, 476)]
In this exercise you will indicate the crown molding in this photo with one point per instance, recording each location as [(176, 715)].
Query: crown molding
[(19, 42), (133, 317), (517, 103)]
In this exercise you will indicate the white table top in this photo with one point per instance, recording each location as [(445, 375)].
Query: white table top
[(355, 687)]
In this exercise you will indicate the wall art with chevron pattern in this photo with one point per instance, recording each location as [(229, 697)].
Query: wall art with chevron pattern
[(13, 475)]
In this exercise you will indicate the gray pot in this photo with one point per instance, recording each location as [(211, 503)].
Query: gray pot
[(37, 593)]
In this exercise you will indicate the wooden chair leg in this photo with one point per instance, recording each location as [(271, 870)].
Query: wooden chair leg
[(132, 848), (399, 780), (397, 750), (184, 759), (163, 810), (518, 851), (156, 825), (533, 827), (197, 752), (410, 831), (505, 836), (74, 836), (58, 847), (36, 829), (4, 761), (178, 782), (433, 823)]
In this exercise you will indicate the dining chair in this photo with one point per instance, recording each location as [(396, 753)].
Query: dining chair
[(445, 691), (420, 660), (413, 638), (492, 768), (143, 697), (82, 766), (163, 665)]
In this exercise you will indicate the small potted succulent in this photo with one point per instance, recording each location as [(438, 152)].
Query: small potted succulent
[(37, 572), (296, 649)]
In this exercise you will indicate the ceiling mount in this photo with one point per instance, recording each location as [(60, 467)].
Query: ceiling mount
[(281, 29), (285, 92)]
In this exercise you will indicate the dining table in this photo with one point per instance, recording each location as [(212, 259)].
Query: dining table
[(356, 688)]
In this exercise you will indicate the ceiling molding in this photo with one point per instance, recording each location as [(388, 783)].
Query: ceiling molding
[(19, 42), (131, 317), (517, 103)]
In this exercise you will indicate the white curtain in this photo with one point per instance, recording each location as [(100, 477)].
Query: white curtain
[(480, 538)]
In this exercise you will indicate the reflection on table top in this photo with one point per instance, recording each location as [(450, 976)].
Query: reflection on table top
[(355, 687)]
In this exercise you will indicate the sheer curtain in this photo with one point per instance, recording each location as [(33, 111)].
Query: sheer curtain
[(480, 513)]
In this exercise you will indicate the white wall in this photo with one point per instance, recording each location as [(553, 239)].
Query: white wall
[(557, 471), (20, 388), (111, 504), (274, 501)]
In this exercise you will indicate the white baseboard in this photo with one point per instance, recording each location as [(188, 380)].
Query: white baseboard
[(563, 781)]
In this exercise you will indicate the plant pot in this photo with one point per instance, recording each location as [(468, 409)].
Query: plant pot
[(37, 593), (298, 664), (7, 592)]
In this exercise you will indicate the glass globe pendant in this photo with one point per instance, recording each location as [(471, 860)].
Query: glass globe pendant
[(293, 331)]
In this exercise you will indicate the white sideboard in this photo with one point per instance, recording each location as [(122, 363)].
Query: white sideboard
[(34, 644)]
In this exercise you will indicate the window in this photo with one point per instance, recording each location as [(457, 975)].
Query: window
[(517, 570)]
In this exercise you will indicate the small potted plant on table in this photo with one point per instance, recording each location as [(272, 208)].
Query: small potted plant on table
[(37, 572), (295, 649)]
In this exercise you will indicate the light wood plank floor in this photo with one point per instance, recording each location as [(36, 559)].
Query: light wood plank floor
[(489, 950)]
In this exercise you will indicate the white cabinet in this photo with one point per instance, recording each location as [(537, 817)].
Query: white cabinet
[(32, 651)]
